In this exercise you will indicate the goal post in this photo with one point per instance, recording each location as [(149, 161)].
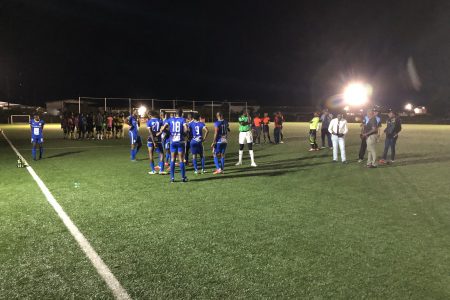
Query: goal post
[(14, 119)]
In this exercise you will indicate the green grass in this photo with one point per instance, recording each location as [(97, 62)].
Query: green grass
[(297, 226)]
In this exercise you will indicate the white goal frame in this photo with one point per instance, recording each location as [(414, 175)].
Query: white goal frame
[(11, 119)]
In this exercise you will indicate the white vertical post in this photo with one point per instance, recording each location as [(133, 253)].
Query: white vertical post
[(246, 106), (105, 104), (193, 105), (153, 104), (212, 111), (129, 105), (79, 105), (174, 104)]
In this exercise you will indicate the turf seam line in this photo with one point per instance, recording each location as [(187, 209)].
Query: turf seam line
[(102, 269)]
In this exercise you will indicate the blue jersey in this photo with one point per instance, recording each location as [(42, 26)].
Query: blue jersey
[(155, 125), (176, 128), (134, 127), (36, 128), (196, 130), (222, 131)]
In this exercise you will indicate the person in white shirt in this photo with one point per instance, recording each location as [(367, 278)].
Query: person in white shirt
[(338, 129)]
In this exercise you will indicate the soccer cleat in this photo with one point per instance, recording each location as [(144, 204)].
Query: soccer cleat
[(172, 180), (382, 162), (323, 147), (162, 173), (253, 164), (184, 179), (281, 142), (196, 172), (335, 161), (311, 150), (239, 163), (152, 173), (204, 171), (133, 160), (344, 162), (218, 171), (360, 160)]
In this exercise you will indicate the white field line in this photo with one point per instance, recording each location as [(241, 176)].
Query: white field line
[(102, 269)]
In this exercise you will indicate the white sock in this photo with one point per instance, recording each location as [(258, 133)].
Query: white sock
[(241, 152), (252, 156)]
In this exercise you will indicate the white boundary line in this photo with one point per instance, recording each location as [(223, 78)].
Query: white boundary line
[(102, 269)]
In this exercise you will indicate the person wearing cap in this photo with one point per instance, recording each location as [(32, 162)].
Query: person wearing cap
[(363, 147), (338, 129), (393, 128), (369, 133)]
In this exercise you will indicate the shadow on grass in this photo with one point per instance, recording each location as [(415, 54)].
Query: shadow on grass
[(420, 161), (63, 154)]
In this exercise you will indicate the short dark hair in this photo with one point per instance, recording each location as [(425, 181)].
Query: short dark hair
[(180, 112)]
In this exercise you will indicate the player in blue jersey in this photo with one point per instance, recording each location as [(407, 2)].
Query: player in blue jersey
[(37, 137), (219, 145), (133, 133), (178, 129), (154, 124), (199, 132), (165, 138)]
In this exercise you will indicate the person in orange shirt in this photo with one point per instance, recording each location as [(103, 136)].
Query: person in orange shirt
[(257, 121), (265, 127)]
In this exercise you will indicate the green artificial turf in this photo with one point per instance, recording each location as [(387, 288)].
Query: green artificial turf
[(297, 226)]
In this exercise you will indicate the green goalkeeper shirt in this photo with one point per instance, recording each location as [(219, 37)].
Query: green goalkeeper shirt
[(244, 124)]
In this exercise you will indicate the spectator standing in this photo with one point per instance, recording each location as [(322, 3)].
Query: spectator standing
[(338, 129), (393, 128), (370, 134), (325, 119), (278, 124), (265, 127), (257, 122), (313, 126)]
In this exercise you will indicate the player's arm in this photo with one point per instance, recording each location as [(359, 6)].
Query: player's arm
[(216, 130), (162, 129), (186, 130), (205, 131)]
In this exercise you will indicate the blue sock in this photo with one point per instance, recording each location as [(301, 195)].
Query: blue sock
[(222, 160), (172, 169), (203, 163), (161, 166), (168, 157), (133, 154), (33, 153), (183, 170), (194, 162), (152, 166), (41, 151), (216, 162)]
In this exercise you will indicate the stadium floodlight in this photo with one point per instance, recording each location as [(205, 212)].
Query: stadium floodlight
[(142, 110), (408, 107), (357, 94), (347, 108)]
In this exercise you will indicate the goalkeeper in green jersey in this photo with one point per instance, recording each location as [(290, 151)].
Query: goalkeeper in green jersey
[(245, 136)]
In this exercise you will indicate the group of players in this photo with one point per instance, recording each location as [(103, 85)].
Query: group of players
[(81, 126), (172, 137)]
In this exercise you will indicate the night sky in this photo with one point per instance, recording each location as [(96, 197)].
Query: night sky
[(269, 52)]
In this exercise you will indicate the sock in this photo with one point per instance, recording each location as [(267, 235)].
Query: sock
[(33, 153), (203, 163), (194, 161), (152, 166), (133, 154), (222, 161), (216, 162), (183, 170), (168, 157), (241, 152), (41, 151), (172, 170), (252, 156), (161, 166)]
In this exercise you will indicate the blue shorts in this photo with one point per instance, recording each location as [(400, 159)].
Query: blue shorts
[(158, 148), (37, 139), (196, 147), (220, 148), (177, 147), (134, 138)]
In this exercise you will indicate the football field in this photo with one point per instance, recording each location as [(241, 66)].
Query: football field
[(297, 226)]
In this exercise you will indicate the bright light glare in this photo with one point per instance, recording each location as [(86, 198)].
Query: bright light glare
[(408, 106), (347, 108), (142, 110), (417, 110), (357, 94)]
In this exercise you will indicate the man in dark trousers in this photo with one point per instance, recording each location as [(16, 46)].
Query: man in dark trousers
[(363, 148), (324, 133), (393, 127)]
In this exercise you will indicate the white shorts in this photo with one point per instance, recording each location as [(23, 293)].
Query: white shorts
[(245, 136)]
